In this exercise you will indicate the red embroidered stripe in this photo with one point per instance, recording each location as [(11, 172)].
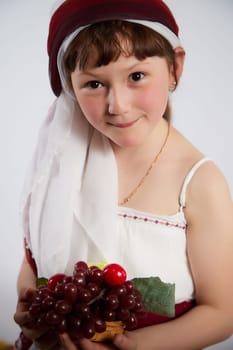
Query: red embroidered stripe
[(154, 221)]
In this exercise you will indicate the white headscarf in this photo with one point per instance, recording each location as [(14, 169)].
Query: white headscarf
[(73, 168)]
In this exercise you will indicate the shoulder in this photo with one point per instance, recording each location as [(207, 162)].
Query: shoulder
[(208, 187), (208, 178), (208, 196), (208, 182)]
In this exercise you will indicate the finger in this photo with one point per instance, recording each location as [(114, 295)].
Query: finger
[(22, 318), (26, 295), (67, 342), (87, 344), (35, 334), (49, 340), (53, 346), (25, 298), (122, 342)]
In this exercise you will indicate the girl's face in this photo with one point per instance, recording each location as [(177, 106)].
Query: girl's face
[(124, 100)]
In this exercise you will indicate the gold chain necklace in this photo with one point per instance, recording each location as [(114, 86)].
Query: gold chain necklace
[(127, 199)]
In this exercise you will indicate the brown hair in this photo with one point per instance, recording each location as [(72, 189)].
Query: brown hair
[(106, 39)]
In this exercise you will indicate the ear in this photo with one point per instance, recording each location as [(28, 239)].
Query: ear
[(177, 68)]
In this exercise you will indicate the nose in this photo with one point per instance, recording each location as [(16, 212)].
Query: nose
[(118, 101)]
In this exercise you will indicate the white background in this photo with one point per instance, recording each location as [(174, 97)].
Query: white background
[(202, 108)]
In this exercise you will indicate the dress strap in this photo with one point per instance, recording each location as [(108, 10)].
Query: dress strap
[(188, 179)]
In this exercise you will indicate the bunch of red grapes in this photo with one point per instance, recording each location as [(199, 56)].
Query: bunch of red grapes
[(81, 304)]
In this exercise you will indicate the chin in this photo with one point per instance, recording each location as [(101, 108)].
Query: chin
[(127, 142)]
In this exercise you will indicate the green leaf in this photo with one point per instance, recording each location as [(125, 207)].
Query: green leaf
[(157, 296), (42, 281)]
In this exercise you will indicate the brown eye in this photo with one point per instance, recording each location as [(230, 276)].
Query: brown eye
[(94, 84), (137, 76)]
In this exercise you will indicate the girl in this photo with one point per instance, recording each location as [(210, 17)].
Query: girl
[(113, 180)]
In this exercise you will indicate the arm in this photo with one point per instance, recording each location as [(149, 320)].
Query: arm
[(209, 245), (26, 277)]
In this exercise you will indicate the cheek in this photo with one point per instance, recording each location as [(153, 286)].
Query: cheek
[(155, 99), (90, 108)]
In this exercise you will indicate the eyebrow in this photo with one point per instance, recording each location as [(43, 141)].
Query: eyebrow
[(132, 67)]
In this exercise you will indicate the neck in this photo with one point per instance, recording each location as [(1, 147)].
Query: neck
[(135, 168)]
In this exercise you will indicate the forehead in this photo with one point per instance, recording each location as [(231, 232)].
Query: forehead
[(124, 65)]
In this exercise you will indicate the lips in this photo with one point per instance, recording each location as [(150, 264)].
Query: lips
[(124, 125)]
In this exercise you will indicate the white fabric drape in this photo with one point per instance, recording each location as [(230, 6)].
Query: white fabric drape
[(73, 168)]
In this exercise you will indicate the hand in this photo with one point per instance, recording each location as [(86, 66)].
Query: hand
[(120, 342), (84, 344), (126, 341), (43, 337)]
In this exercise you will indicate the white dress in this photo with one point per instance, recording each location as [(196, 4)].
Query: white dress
[(149, 245)]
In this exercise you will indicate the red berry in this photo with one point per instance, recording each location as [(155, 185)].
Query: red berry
[(114, 274), (52, 282)]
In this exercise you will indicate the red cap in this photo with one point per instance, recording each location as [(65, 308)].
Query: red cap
[(73, 14)]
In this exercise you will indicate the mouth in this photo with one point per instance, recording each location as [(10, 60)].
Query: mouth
[(124, 125)]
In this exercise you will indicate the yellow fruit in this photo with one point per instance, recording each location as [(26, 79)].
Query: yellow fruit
[(113, 328)]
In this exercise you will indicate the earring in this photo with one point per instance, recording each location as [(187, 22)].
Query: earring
[(173, 86)]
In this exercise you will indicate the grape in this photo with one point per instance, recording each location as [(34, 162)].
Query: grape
[(82, 310), (94, 289), (35, 309), (52, 318), (47, 303), (74, 323), (79, 280), (43, 291), (136, 294), (62, 327), (112, 301), (62, 307), (89, 329), (108, 315), (96, 276), (59, 291), (128, 301), (82, 303), (122, 314), (70, 292), (66, 280), (54, 280), (84, 295), (129, 286), (93, 268), (38, 299), (100, 325), (96, 309), (81, 273), (131, 322), (81, 268), (40, 322), (82, 265), (139, 307), (119, 290)]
